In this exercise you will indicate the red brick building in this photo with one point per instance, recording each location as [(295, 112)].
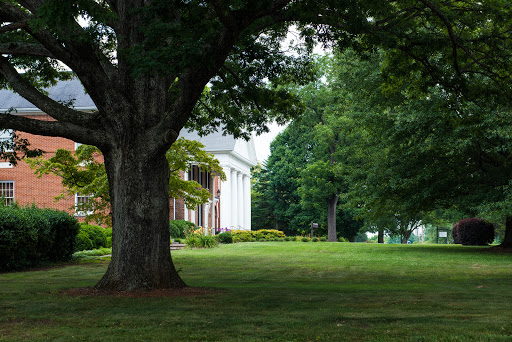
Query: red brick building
[(230, 201)]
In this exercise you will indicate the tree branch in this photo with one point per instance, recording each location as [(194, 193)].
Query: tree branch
[(52, 129), (13, 26), (43, 102), (451, 34), (29, 49)]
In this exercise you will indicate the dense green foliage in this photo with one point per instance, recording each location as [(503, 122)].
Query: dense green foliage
[(225, 237), (93, 237), (180, 228), (473, 232), (31, 236)]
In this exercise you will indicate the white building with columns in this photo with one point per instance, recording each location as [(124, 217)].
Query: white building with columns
[(236, 156)]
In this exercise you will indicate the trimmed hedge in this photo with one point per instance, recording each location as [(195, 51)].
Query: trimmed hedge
[(261, 235), (32, 236), (473, 232), (93, 237)]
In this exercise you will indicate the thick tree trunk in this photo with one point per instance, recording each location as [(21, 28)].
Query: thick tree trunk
[(331, 219), (507, 240), (141, 259), (380, 236)]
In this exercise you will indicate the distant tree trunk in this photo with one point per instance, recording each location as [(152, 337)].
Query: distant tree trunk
[(141, 258), (507, 240), (331, 219), (405, 236), (380, 236)]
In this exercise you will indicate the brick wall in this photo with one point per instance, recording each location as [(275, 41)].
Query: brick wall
[(28, 188)]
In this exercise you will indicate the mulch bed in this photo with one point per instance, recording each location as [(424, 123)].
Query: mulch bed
[(158, 293)]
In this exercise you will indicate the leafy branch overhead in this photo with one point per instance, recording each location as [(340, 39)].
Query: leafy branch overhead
[(83, 172)]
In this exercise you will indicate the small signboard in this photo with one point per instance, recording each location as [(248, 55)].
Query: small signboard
[(313, 227), (443, 234)]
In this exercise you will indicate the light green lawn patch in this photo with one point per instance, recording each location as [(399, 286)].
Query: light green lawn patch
[(280, 292)]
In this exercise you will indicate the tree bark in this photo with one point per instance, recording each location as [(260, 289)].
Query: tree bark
[(507, 240), (380, 236), (331, 219), (139, 194)]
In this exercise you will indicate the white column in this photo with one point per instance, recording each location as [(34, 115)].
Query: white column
[(234, 199), (240, 199), (247, 202), (185, 215), (225, 200)]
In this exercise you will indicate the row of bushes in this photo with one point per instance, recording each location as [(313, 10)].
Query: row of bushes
[(250, 235), (93, 237), (32, 236)]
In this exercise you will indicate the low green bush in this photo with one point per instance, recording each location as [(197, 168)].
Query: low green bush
[(258, 235), (342, 239), (268, 234), (315, 239), (323, 239), (305, 239), (32, 236), (96, 234), (242, 235), (225, 237), (82, 242), (201, 241)]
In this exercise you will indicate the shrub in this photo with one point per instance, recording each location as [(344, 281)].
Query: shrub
[(323, 239), (473, 232), (207, 241), (342, 239), (82, 242), (315, 239), (192, 241), (97, 235), (242, 235), (31, 236), (201, 241), (268, 234), (287, 238), (225, 237), (180, 228), (305, 239)]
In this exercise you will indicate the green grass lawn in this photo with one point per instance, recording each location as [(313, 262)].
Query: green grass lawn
[(273, 291)]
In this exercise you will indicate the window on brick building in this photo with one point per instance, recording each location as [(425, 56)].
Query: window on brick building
[(81, 204), (6, 139), (7, 192)]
